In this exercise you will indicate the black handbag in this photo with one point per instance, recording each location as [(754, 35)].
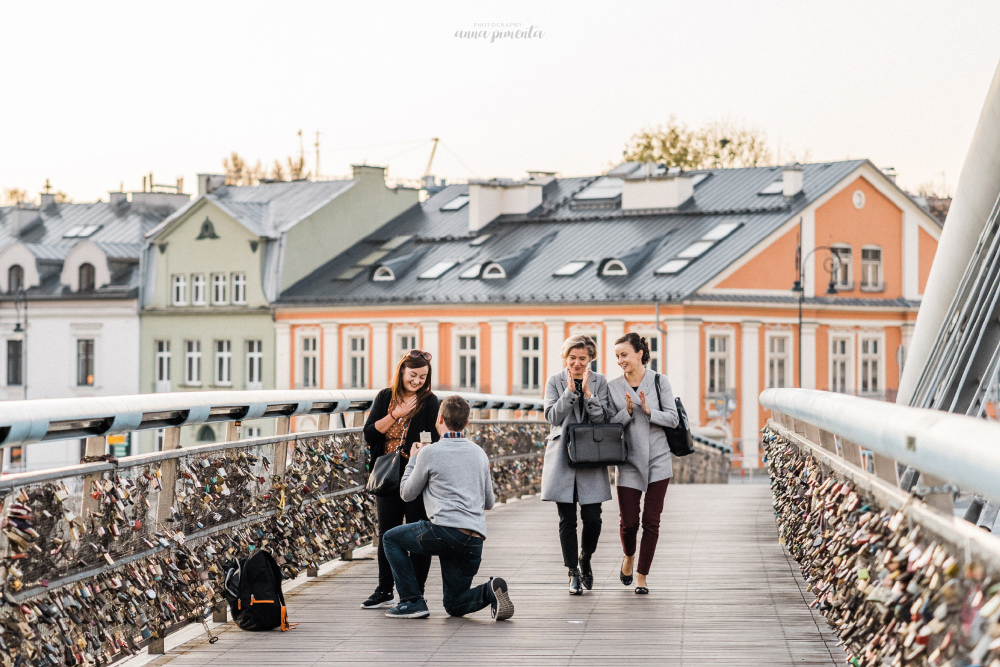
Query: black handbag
[(384, 478), (678, 437), (590, 445)]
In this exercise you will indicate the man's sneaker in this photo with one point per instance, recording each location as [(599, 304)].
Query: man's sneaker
[(501, 608), (378, 599), (414, 609)]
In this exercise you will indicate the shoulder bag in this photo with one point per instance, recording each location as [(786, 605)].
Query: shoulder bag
[(384, 478), (590, 445), (678, 437)]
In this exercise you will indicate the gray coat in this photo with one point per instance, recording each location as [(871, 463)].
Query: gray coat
[(563, 406), (649, 457)]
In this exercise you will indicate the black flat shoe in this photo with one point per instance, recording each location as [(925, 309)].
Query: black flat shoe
[(641, 590), (575, 585), (586, 572), (626, 579)]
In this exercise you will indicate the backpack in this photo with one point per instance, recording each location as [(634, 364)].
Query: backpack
[(678, 437), (253, 590)]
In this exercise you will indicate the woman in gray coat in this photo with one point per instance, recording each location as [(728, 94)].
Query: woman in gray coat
[(572, 396), (633, 402)]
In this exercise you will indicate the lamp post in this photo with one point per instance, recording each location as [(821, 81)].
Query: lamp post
[(21, 327), (832, 265)]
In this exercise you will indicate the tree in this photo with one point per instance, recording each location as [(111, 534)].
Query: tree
[(277, 172), (14, 196), (718, 144), (297, 169)]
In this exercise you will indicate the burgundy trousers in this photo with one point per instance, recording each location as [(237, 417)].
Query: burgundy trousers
[(628, 504)]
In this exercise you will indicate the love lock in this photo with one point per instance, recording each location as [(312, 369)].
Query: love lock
[(921, 490)]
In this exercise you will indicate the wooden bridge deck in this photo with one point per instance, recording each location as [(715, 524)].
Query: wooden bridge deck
[(722, 592)]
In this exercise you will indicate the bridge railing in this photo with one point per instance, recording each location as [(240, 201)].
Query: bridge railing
[(102, 558), (900, 578)]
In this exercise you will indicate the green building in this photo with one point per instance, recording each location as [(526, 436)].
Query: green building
[(213, 268)]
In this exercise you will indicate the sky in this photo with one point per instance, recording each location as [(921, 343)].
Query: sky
[(99, 94)]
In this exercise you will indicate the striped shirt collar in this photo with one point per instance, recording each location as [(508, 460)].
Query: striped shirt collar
[(453, 434)]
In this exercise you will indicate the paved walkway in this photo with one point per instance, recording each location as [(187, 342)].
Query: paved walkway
[(722, 592)]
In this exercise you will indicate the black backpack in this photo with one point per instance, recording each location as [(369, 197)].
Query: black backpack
[(678, 437), (253, 589)]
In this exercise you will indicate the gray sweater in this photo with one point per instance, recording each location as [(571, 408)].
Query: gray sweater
[(454, 476)]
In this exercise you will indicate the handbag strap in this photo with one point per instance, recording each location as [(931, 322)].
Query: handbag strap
[(656, 381)]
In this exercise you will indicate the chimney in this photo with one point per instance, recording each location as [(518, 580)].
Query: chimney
[(429, 182), (168, 201), (364, 172), (207, 183), (791, 179), (890, 173), (46, 199), (117, 198), (542, 177), (21, 217), (651, 190), (489, 199)]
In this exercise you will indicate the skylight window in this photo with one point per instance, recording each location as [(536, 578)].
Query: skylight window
[(350, 273), (672, 267), (775, 188), (721, 231), (371, 258), (696, 249), (81, 231), (471, 272), (437, 270), (396, 241), (602, 188), (480, 240), (572, 268), (456, 203), (698, 178)]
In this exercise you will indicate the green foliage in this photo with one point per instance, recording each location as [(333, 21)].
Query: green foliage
[(718, 144)]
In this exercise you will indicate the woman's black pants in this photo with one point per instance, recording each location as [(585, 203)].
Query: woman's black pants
[(391, 510), (590, 515)]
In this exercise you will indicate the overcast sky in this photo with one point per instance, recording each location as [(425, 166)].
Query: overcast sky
[(98, 94)]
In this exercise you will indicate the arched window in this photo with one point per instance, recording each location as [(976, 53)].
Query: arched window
[(206, 434), (493, 272), (614, 267), (15, 278), (86, 277), (383, 273)]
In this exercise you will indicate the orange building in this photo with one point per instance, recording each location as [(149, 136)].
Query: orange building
[(491, 277)]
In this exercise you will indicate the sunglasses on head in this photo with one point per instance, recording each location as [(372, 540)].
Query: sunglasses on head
[(419, 354)]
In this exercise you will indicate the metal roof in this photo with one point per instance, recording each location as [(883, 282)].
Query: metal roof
[(591, 230), (271, 208)]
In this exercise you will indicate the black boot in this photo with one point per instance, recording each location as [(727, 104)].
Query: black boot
[(586, 572), (575, 587)]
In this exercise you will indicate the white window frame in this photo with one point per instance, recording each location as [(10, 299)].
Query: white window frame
[(728, 357), (254, 370), (356, 362), (865, 359), (846, 358), (845, 269), (161, 365), (192, 362), (597, 334), (93, 361), (401, 346), (178, 289), (467, 358), (868, 266), (772, 359), (223, 349), (309, 360), (239, 288), (655, 340), (219, 285), (521, 354), (197, 289)]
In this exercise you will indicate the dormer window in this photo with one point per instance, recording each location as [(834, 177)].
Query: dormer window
[(494, 272), (383, 274), (614, 267), (86, 277), (15, 278)]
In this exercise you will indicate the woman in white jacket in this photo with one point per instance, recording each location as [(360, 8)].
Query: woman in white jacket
[(643, 401)]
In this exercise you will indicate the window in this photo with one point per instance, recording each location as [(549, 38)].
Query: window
[(493, 272), (572, 268), (531, 361), (85, 362), (672, 266), (614, 267), (223, 362), (718, 364), (773, 188), (357, 362), (163, 364), (839, 363), (721, 231), (218, 289), (239, 288), (15, 363), (198, 289), (161, 435), (653, 339), (480, 240), (395, 242), (253, 431), (310, 361), (871, 268), (696, 249), (17, 457), (437, 270), (15, 278), (80, 231), (192, 362), (404, 343), (86, 277), (383, 274), (871, 359), (456, 203), (842, 276), (179, 290), (206, 434), (778, 361), (468, 377), (255, 364), (471, 272)]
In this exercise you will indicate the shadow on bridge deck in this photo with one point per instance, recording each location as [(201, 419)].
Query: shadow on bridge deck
[(722, 592)]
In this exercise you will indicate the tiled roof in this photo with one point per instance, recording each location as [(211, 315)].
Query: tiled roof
[(575, 229)]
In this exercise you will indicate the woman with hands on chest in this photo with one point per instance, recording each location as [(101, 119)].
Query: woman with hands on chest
[(401, 415), (643, 401)]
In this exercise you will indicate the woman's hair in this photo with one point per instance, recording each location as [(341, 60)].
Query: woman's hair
[(574, 342), (638, 344), (410, 361)]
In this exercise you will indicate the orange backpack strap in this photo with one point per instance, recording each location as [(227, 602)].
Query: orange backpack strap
[(285, 625)]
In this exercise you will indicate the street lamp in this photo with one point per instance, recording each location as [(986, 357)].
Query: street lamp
[(832, 265), (21, 327)]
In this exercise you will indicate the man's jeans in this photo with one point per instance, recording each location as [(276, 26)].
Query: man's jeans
[(460, 556)]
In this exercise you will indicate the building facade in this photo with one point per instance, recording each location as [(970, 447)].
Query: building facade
[(492, 276)]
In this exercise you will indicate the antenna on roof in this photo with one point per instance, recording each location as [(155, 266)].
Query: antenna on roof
[(430, 161), (317, 155), (302, 150)]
